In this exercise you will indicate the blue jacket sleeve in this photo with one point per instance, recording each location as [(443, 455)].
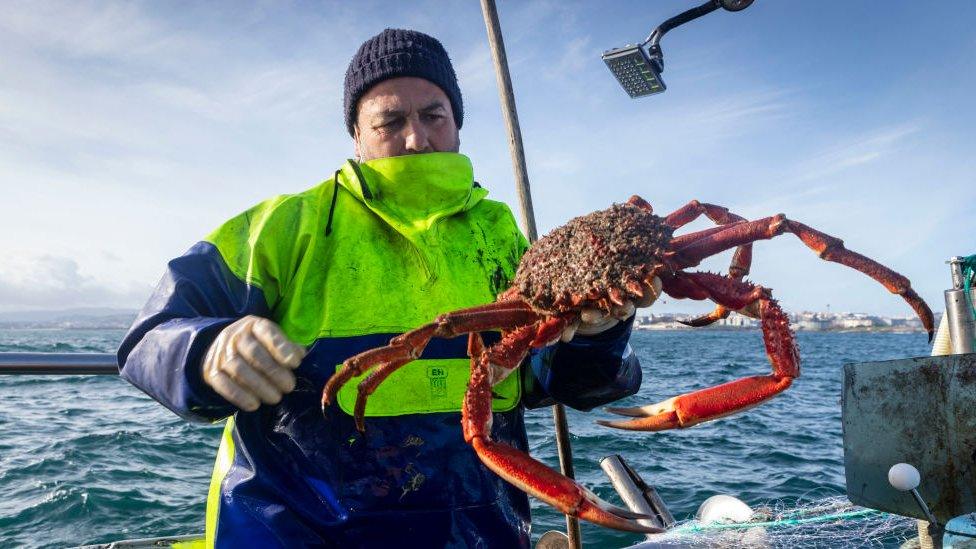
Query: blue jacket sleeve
[(162, 352), (587, 372)]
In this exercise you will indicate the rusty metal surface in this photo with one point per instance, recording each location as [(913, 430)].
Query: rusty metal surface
[(920, 411)]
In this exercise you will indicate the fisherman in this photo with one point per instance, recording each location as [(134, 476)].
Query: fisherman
[(250, 323)]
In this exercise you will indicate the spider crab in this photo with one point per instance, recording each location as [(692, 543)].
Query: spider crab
[(597, 261)]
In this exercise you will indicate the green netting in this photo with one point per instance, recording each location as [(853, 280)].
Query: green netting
[(829, 522), (968, 272), (781, 522)]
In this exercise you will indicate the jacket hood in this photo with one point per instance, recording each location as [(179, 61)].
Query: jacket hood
[(412, 192)]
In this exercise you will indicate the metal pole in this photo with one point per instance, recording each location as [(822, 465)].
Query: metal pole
[(528, 218), (511, 116), (70, 364), (959, 311)]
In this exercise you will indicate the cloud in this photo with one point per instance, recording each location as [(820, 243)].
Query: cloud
[(855, 151), (37, 282), (475, 70), (279, 92), (523, 21), (558, 163), (122, 32), (575, 56), (735, 114)]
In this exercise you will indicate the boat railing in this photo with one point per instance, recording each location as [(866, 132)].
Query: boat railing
[(70, 364)]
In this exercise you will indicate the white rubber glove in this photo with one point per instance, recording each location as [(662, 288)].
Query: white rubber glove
[(593, 321), (251, 363)]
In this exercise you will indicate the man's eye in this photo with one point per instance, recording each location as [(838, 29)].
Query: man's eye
[(390, 124), (434, 117)]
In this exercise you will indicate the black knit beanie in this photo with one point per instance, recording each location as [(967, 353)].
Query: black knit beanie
[(399, 52)]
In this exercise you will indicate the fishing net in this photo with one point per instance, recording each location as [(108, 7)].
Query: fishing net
[(832, 522), (968, 275)]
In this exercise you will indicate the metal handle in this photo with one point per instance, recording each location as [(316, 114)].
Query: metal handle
[(654, 38), (694, 13), (636, 494)]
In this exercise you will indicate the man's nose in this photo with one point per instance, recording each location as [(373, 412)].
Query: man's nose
[(415, 140)]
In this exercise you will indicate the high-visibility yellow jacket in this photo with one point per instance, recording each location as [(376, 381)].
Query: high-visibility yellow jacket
[(381, 248)]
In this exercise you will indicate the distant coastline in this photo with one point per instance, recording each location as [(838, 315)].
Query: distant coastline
[(805, 321), (69, 319), (681, 328)]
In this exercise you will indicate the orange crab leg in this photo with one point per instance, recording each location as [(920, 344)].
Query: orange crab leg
[(503, 357), (829, 248), (723, 400), (680, 241), (410, 345), (368, 385), (741, 261), (521, 470), (513, 348), (694, 209)]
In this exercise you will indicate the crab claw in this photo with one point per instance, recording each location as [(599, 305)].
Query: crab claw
[(556, 489), (520, 469), (718, 313), (700, 406), (653, 417)]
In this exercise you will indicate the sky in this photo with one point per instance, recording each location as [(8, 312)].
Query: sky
[(128, 131)]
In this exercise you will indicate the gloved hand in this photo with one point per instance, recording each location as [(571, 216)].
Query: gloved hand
[(251, 363), (593, 321)]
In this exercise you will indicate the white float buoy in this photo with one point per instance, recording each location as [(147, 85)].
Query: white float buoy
[(903, 477), (723, 508)]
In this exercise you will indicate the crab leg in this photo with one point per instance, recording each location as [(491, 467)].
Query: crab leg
[(521, 470), (729, 398), (507, 355), (741, 261), (695, 209), (683, 240), (829, 248), (410, 345)]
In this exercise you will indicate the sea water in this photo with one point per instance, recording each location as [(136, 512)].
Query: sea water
[(90, 459)]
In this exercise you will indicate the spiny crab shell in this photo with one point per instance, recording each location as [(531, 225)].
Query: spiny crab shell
[(580, 263)]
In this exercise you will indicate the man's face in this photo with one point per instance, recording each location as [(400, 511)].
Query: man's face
[(404, 115)]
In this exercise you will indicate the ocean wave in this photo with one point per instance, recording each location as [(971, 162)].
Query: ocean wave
[(92, 459)]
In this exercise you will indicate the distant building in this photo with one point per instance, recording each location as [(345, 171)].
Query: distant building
[(850, 323), (811, 321), (812, 324), (804, 321), (914, 323), (735, 320)]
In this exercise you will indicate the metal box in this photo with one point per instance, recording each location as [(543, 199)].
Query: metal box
[(920, 411)]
